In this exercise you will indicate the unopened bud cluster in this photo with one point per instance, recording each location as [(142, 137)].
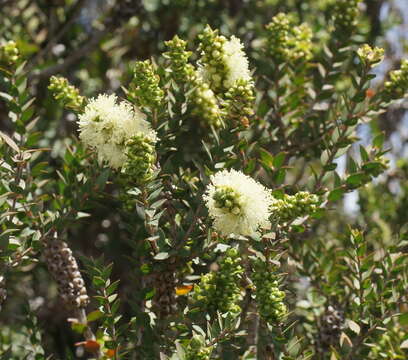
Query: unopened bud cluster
[(66, 93), (240, 100), (370, 56), (64, 269), (220, 290), (397, 85), (227, 198), (206, 105), (345, 14), (178, 57), (140, 158), (212, 56), (287, 42), (197, 350), (145, 85), (9, 53), (269, 297), (291, 207)]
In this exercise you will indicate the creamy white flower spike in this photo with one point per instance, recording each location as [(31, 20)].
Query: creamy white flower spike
[(106, 125), (238, 204), (236, 62)]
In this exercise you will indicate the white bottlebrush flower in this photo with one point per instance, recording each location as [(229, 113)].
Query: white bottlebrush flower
[(237, 203), (106, 125), (236, 62)]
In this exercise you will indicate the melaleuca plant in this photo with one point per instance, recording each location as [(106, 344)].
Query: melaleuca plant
[(190, 207)]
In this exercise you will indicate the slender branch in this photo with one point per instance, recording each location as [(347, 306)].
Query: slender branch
[(74, 16)]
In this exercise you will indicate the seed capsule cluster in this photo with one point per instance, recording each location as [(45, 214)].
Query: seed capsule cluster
[(331, 325), (64, 269), (268, 296), (164, 300), (3, 291), (220, 290)]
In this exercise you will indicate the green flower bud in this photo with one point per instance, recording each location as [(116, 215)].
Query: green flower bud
[(370, 56), (267, 294), (220, 290), (9, 53), (144, 87), (291, 207), (140, 158), (397, 85), (66, 93), (287, 42)]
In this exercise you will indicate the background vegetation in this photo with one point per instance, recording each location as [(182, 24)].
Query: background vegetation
[(327, 132)]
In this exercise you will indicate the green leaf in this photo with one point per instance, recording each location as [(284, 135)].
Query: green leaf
[(162, 256), (364, 154), (94, 315), (336, 194), (78, 327), (355, 179), (353, 326), (378, 141), (9, 141), (279, 160)]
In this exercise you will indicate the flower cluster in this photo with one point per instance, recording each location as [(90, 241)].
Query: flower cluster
[(107, 126), (268, 296), (224, 61), (9, 53), (370, 56), (178, 56), (140, 158), (345, 14), (291, 207), (287, 42), (64, 269), (397, 86), (66, 93), (144, 87), (237, 203), (220, 290)]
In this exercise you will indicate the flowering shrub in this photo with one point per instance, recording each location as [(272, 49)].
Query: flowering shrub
[(194, 209)]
